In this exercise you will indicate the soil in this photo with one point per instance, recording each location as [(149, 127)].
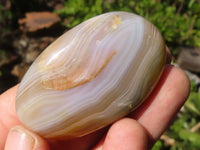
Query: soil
[(20, 46)]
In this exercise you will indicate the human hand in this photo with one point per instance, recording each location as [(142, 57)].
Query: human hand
[(138, 131)]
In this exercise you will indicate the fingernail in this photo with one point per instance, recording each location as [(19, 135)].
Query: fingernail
[(19, 140)]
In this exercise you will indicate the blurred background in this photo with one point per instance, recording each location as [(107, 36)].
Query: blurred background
[(28, 27)]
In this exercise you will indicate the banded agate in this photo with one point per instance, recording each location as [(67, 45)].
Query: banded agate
[(92, 75)]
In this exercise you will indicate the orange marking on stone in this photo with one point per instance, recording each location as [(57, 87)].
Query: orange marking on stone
[(116, 20), (78, 77)]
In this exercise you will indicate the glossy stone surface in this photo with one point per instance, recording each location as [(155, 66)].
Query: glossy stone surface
[(94, 74)]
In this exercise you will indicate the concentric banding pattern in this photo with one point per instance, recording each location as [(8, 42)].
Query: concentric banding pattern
[(133, 52)]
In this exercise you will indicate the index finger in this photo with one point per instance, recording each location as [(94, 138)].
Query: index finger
[(164, 102)]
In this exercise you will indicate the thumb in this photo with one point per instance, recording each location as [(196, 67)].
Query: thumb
[(20, 138)]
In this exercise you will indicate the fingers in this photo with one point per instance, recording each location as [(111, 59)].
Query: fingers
[(168, 97), (125, 134), (7, 107), (7, 114), (22, 139), (153, 117), (82, 143), (9, 119)]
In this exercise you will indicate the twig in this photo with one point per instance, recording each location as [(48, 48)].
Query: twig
[(195, 128), (167, 140)]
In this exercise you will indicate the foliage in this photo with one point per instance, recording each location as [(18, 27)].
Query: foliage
[(3, 58), (10, 12), (5, 17), (77, 11), (185, 129), (20, 7), (157, 145), (5, 22), (178, 21)]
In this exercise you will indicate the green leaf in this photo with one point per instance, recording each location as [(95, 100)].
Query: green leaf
[(158, 145), (195, 99), (190, 105), (191, 3), (191, 137)]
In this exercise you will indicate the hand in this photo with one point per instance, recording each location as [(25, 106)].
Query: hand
[(138, 131)]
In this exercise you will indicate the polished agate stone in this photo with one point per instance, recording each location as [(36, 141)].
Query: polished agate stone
[(93, 75)]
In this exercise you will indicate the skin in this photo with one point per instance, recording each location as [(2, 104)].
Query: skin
[(139, 130)]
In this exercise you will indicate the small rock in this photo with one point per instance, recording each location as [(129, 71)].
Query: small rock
[(31, 56), (193, 77), (30, 48), (35, 21), (23, 43), (189, 59)]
